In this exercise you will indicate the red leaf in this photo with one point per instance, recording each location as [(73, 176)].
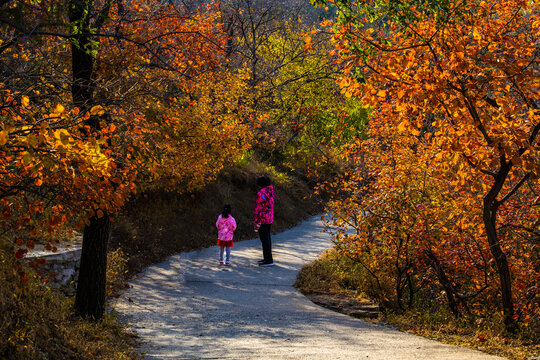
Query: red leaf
[(19, 254)]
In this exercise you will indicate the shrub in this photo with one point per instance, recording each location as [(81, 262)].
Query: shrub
[(38, 323), (116, 272), (335, 274)]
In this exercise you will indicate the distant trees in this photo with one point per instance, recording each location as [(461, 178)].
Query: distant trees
[(294, 97)]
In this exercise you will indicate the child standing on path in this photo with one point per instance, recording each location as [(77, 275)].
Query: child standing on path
[(226, 225)]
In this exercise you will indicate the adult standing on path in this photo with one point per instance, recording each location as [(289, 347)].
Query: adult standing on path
[(263, 217)]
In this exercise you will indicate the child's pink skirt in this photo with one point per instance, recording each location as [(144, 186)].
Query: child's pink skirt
[(226, 243)]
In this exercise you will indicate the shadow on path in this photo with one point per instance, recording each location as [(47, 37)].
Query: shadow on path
[(189, 307)]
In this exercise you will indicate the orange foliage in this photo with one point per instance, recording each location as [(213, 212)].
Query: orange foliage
[(169, 111), (448, 186), (178, 95)]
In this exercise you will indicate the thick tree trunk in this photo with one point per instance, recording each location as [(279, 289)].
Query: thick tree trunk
[(489, 213), (90, 297)]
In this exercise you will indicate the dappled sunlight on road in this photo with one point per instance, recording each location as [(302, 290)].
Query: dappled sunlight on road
[(190, 307)]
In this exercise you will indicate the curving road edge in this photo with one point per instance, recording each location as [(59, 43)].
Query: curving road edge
[(189, 307)]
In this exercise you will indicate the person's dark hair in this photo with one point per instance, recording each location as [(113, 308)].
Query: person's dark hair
[(263, 181), (226, 211)]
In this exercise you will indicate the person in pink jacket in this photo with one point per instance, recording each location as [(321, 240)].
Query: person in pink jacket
[(263, 217), (226, 226)]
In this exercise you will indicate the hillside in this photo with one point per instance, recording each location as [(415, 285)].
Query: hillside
[(156, 224)]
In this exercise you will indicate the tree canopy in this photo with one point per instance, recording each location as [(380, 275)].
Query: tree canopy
[(449, 180)]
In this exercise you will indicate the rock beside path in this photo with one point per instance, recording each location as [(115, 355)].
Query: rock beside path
[(344, 305)]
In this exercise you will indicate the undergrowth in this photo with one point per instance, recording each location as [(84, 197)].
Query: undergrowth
[(39, 323), (116, 272), (332, 274)]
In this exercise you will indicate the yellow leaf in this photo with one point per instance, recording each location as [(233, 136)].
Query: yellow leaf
[(59, 109), (476, 35), (97, 110), (4, 136), (62, 135), (402, 126), (25, 101)]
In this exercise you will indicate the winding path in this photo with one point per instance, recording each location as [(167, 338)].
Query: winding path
[(189, 307)]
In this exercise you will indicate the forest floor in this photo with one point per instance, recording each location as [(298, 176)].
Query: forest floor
[(190, 307)]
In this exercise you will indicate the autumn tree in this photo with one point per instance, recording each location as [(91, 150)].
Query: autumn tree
[(309, 117), (454, 88), (293, 95), (123, 98)]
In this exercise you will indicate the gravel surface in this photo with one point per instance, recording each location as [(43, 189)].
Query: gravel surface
[(190, 307)]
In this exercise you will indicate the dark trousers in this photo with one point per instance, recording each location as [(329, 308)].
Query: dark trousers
[(266, 240)]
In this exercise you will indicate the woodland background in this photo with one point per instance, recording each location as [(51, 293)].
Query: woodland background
[(415, 121)]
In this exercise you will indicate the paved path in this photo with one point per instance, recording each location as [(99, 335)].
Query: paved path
[(189, 307)]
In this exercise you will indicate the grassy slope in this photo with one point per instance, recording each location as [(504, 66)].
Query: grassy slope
[(37, 323)]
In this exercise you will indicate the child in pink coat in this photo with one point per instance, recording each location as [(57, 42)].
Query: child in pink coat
[(226, 225)]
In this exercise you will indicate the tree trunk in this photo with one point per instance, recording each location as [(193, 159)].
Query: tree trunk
[(445, 282), (90, 297), (490, 217), (411, 290), (399, 288)]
